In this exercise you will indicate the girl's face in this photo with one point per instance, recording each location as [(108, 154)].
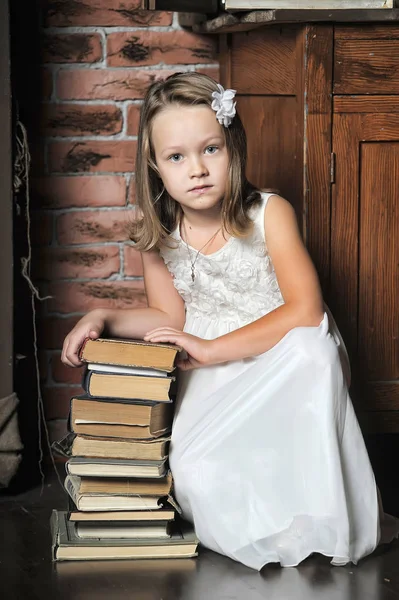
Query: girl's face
[(191, 156)]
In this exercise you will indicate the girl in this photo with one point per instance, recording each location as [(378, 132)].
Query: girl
[(267, 456)]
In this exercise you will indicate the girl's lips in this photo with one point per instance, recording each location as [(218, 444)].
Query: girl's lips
[(201, 188)]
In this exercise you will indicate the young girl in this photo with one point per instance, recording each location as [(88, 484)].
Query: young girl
[(267, 456)]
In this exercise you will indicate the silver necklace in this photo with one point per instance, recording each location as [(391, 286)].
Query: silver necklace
[(192, 262)]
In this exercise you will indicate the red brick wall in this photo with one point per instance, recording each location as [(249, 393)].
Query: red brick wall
[(98, 58)]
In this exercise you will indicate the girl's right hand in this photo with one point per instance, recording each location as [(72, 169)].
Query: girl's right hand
[(90, 326)]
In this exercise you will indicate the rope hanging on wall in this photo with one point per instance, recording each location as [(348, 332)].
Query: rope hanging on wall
[(21, 180)]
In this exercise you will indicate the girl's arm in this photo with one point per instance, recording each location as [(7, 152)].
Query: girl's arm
[(299, 286), (165, 309), (165, 305)]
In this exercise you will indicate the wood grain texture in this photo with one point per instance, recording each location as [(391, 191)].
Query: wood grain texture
[(264, 64), (366, 104), (366, 66), (347, 131), (317, 147), (369, 31), (378, 334), (270, 123)]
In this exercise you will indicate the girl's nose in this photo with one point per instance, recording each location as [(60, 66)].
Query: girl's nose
[(197, 167)]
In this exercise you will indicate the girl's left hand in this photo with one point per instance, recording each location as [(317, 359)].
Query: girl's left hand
[(198, 350)]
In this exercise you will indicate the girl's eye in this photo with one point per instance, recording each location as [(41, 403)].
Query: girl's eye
[(175, 157), (211, 149)]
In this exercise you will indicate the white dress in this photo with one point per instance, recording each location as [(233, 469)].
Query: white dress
[(267, 456)]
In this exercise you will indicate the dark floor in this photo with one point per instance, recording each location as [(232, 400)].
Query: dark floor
[(28, 573)]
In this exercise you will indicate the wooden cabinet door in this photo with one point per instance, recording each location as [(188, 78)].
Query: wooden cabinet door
[(364, 292)]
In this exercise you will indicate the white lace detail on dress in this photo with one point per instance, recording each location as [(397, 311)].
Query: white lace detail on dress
[(224, 279)]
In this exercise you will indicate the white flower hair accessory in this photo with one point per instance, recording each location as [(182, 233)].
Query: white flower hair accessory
[(223, 105)]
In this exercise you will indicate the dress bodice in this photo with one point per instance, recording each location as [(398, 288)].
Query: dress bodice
[(237, 283)]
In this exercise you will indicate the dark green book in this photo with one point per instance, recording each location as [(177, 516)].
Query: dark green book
[(66, 545)]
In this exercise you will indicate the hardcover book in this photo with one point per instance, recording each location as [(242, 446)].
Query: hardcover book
[(121, 385), (129, 353), (131, 516), (67, 545), (114, 467), (103, 501), (109, 418)]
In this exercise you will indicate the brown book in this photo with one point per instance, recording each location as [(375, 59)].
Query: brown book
[(153, 449), (93, 501), (115, 467), (161, 514), (110, 418), (100, 485), (129, 353), (105, 385)]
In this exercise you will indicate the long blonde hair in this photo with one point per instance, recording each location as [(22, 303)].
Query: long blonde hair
[(160, 214)]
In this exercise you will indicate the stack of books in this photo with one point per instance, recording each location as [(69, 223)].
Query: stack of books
[(119, 485)]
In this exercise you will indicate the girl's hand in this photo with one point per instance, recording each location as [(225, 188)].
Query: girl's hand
[(90, 326), (198, 350)]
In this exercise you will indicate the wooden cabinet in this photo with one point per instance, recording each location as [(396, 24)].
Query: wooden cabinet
[(321, 107)]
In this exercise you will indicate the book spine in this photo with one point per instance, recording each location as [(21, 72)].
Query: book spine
[(86, 382), (72, 487)]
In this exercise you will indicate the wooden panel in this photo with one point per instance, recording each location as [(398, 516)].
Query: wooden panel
[(364, 258), (368, 32), (307, 4), (366, 66), (378, 336), (347, 130), (264, 63), (243, 21), (366, 104), (317, 146), (272, 158), (379, 421)]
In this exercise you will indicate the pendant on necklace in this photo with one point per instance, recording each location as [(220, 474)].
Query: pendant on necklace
[(192, 273)]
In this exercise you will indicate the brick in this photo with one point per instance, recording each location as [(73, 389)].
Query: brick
[(53, 330), (62, 373), (133, 116), (133, 266), (81, 191), (85, 227), (44, 361), (106, 84), (46, 84), (71, 48), (57, 430), (132, 191), (63, 13), (154, 47), (70, 297), (213, 72), (76, 119), (57, 400), (91, 156), (66, 263), (41, 228), (37, 151)]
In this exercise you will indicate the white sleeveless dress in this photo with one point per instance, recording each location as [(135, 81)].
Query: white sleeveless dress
[(267, 456)]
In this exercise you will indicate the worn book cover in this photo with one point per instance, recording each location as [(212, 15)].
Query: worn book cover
[(130, 353), (100, 384), (114, 467), (94, 447), (102, 418), (66, 544)]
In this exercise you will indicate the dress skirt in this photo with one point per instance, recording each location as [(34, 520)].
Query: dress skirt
[(267, 456)]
